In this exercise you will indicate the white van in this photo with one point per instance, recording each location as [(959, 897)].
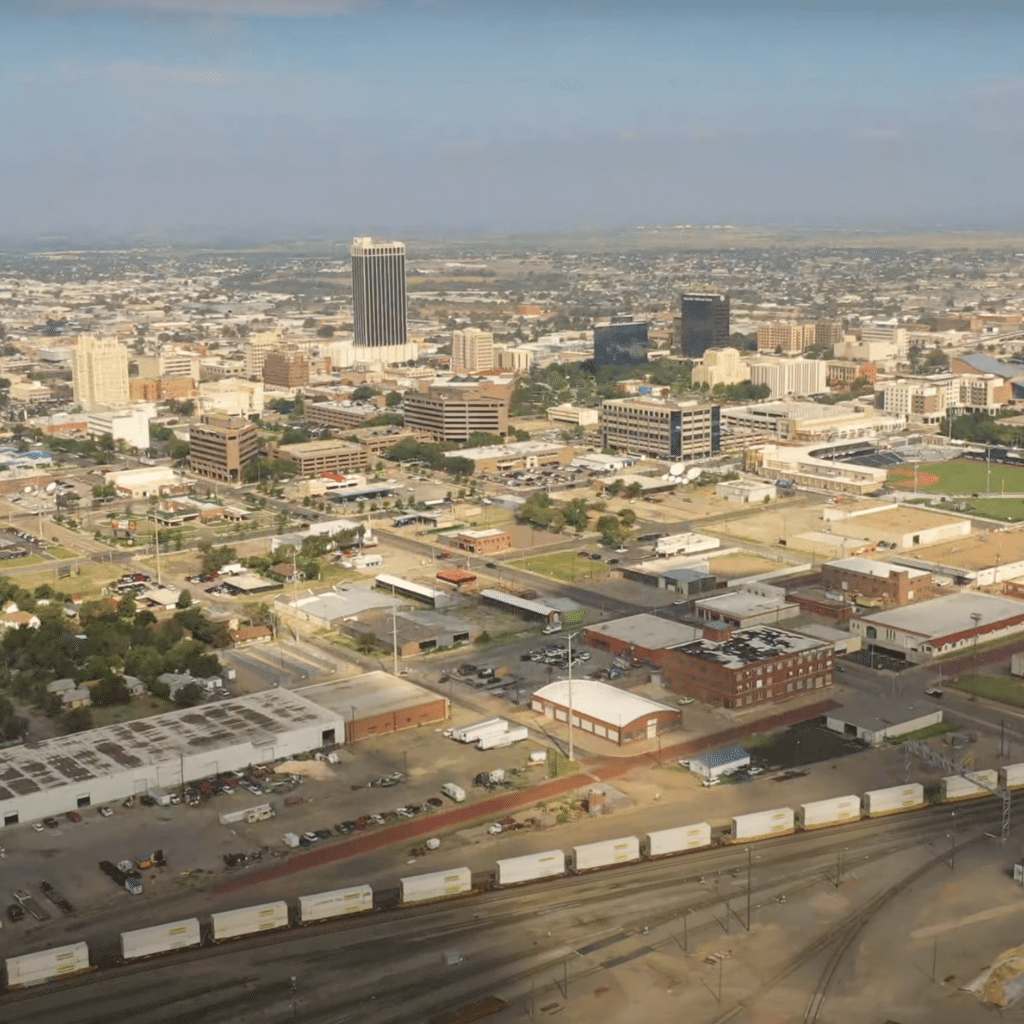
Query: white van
[(553, 628), (453, 792)]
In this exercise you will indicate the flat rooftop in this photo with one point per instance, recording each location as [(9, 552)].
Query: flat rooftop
[(649, 631), (517, 449), (741, 603), (951, 614), (374, 693), (328, 447), (882, 570), (876, 711), (975, 552), (901, 519), (750, 646), (258, 718)]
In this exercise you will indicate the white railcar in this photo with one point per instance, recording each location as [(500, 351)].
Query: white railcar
[(323, 905), (676, 840), (436, 885), (893, 799), (531, 866), (605, 853), (230, 924), (972, 787), (822, 813), (47, 965), (161, 938), (762, 825), (1011, 776)]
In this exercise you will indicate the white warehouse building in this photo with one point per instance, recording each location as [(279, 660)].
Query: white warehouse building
[(102, 765)]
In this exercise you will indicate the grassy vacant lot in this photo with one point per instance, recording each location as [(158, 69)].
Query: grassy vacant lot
[(961, 476), (1001, 688), (566, 566), (140, 707)]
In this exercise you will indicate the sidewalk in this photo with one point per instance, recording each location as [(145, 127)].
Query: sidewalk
[(598, 770)]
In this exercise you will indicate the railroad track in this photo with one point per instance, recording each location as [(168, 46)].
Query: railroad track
[(671, 878)]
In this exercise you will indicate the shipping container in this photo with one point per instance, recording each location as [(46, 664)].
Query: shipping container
[(248, 920), (471, 733), (676, 840), (436, 885), (48, 965), (1012, 776), (492, 740), (762, 825), (893, 800), (973, 787), (336, 903), (160, 939), (531, 866), (822, 813), (601, 855)]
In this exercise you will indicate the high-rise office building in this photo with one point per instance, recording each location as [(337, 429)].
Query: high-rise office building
[(222, 446), (99, 372), (703, 321), (623, 342), (472, 350), (673, 431), (378, 292)]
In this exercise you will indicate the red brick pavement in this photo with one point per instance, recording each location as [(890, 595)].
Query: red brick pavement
[(597, 770)]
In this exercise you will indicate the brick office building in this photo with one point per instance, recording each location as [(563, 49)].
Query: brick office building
[(877, 581), (759, 665)]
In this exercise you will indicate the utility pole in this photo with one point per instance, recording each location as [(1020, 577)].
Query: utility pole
[(157, 534), (749, 854), (394, 632), (572, 750)]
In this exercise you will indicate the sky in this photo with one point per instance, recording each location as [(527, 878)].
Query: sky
[(268, 119)]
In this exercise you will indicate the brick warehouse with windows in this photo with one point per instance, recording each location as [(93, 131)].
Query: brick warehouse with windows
[(759, 665), (877, 581)]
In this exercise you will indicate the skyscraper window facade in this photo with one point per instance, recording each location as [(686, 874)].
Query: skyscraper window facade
[(704, 322), (378, 292), (623, 343)]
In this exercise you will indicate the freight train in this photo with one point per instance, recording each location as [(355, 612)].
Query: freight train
[(68, 961)]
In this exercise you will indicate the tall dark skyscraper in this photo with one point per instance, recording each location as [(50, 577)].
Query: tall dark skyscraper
[(623, 342), (378, 292), (704, 322)]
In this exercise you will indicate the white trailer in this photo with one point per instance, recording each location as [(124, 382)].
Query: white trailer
[(48, 965), (503, 739), (605, 853), (528, 868), (265, 917), (323, 905), (1011, 776), (471, 733), (161, 938), (436, 885), (676, 840), (973, 787), (762, 825), (822, 813), (893, 800)]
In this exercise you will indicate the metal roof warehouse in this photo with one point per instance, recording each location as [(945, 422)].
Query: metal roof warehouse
[(603, 710), (101, 765)]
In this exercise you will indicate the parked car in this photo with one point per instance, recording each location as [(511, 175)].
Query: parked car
[(51, 822), (37, 826), (323, 833), (15, 912), (106, 812), (73, 816)]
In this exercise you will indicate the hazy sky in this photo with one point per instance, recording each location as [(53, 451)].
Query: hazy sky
[(205, 117)]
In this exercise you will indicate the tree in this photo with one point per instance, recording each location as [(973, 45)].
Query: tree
[(184, 599), (189, 695), (126, 607), (76, 720), (215, 558), (634, 490), (363, 393), (611, 530), (366, 643), (110, 691), (145, 663), (393, 399), (627, 516)]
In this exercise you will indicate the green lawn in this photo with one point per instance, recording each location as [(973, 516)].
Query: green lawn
[(961, 476), (566, 566), (59, 551), (1006, 510), (1001, 688)]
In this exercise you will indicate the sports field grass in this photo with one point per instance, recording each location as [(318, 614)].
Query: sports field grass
[(1006, 510), (566, 566), (961, 476)]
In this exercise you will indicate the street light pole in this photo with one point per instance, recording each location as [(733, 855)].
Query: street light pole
[(749, 853), (572, 750)]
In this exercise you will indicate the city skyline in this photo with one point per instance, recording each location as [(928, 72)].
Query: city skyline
[(327, 118)]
